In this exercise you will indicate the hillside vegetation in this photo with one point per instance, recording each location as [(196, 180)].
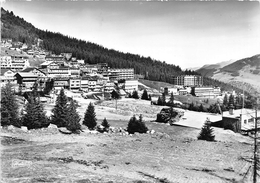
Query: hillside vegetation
[(18, 29)]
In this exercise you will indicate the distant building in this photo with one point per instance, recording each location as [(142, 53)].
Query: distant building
[(74, 83), (239, 120), (210, 92), (131, 85), (188, 80), (35, 71), (62, 82), (16, 63), (7, 75), (127, 74), (25, 80)]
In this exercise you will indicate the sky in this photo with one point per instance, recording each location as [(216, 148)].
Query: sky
[(188, 34)]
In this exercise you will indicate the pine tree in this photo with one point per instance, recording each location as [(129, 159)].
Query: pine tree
[(145, 95), (73, 118), (34, 116), (201, 108), (163, 99), (225, 100), (206, 132), (9, 107), (60, 110), (231, 100), (135, 94), (159, 101), (105, 124), (171, 102), (135, 125), (90, 117)]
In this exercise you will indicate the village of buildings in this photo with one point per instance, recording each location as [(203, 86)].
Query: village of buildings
[(73, 74), (79, 77)]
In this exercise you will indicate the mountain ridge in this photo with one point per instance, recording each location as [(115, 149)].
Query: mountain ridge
[(243, 73)]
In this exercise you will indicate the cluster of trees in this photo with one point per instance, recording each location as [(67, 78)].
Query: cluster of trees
[(64, 113)]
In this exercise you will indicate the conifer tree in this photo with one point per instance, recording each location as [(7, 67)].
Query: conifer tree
[(225, 100), (105, 124), (73, 118), (159, 101), (90, 117), (201, 108), (34, 116), (231, 100), (163, 99), (9, 107), (171, 102), (206, 132), (60, 110), (135, 125), (145, 95), (135, 94)]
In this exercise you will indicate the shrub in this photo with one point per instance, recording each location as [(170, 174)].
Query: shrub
[(206, 132), (135, 125)]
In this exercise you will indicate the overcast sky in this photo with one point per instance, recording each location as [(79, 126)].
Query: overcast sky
[(188, 34)]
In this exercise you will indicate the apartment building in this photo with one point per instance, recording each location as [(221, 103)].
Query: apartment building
[(127, 74), (188, 80), (210, 92), (16, 63)]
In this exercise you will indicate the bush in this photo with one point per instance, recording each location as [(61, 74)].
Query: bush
[(135, 125), (206, 132)]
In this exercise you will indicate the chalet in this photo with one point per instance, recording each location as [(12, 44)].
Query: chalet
[(81, 61), (74, 83), (92, 84), (16, 63), (25, 80), (7, 75), (239, 120), (84, 84), (109, 87), (62, 82), (35, 71), (46, 64), (74, 72), (57, 59)]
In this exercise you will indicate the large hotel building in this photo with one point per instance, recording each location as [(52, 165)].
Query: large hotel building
[(188, 80)]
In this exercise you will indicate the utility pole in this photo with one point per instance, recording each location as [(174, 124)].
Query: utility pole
[(255, 146)]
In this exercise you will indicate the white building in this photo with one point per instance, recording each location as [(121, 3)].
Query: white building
[(131, 85)]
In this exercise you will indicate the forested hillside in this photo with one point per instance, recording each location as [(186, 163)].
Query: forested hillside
[(18, 29)]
